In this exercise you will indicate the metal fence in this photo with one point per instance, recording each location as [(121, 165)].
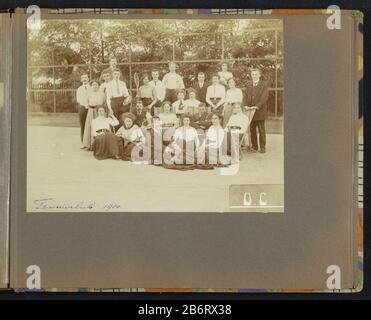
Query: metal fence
[(62, 93)]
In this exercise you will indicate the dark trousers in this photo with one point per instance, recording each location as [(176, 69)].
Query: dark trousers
[(218, 109), (157, 107), (82, 118), (260, 125), (171, 95), (146, 102), (118, 108)]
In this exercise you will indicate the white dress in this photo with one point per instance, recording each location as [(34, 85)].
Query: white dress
[(95, 100), (232, 96)]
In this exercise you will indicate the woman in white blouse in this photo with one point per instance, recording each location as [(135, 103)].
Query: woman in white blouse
[(95, 99), (169, 121), (105, 143), (183, 149), (233, 96), (131, 136), (224, 74), (214, 149), (167, 116)]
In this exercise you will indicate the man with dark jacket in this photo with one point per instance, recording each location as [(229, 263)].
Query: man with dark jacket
[(256, 96), (202, 120), (200, 87)]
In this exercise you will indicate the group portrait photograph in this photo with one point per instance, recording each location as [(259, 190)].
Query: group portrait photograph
[(153, 115)]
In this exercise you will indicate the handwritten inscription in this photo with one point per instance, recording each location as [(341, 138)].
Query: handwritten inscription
[(53, 204)]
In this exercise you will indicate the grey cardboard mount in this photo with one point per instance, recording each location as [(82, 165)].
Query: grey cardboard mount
[(208, 250), (5, 129)]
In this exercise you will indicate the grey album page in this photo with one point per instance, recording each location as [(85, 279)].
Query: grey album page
[(197, 237)]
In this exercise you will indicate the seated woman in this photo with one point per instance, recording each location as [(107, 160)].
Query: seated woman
[(167, 116), (239, 124), (181, 154), (169, 121), (147, 94), (213, 151), (131, 136), (105, 143), (96, 98), (233, 96), (153, 141)]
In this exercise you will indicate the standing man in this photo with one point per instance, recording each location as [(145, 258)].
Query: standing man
[(117, 95), (200, 87), (110, 69), (173, 82), (82, 103), (103, 87), (215, 95), (256, 97), (159, 88), (106, 76)]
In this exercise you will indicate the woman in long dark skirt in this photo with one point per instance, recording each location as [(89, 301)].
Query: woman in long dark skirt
[(96, 99), (105, 143)]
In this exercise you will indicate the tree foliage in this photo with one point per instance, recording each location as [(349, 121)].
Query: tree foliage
[(78, 46)]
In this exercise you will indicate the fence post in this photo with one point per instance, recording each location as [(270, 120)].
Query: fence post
[(276, 75), (130, 79), (222, 45), (90, 64), (54, 89), (173, 49), (101, 40)]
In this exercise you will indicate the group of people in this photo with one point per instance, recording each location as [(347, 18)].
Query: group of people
[(185, 126)]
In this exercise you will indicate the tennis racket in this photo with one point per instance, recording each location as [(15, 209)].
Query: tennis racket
[(136, 80)]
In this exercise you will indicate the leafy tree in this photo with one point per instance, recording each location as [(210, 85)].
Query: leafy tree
[(84, 46)]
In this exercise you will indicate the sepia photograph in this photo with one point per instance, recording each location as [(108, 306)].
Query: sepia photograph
[(155, 115)]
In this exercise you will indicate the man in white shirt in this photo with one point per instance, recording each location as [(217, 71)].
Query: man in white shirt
[(192, 103), (179, 105), (159, 88), (117, 96), (215, 95), (110, 69), (106, 80), (172, 82), (82, 102)]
